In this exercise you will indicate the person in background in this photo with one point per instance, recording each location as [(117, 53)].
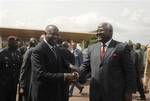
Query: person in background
[(139, 70), (42, 37), (78, 61), (66, 53), (32, 43), (10, 64), (147, 71), (21, 46), (144, 60), (25, 72), (68, 57), (140, 53)]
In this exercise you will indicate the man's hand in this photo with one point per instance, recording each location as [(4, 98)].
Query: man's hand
[(71, 76), (76, 74), (21, 91)]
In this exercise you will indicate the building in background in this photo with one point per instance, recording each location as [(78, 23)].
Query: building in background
[(25, 34)]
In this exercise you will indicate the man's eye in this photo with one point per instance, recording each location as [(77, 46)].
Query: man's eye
[(98, 35)]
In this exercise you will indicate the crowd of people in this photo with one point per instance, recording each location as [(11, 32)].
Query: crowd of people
[(49, 68)]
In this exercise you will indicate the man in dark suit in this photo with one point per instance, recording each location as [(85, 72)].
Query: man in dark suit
[(50, 72), (25, 72), (78, 61), (139, 66), (111, 67)]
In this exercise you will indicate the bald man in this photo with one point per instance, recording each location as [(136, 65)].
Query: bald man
[(50, 72), (111, 67)]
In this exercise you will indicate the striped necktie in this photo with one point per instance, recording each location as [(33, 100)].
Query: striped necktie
[(102, 51)]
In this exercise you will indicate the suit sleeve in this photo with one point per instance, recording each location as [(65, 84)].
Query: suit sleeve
[(85, 67), (40, 71), (129, 70), (26, 65), (80, 58)]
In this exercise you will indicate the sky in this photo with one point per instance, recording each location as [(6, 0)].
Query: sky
[(130, 18)]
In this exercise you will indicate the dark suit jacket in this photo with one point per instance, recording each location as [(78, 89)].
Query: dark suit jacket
[(111, 77), (67, 55), (47, 78), (25, 73), (139, 63)]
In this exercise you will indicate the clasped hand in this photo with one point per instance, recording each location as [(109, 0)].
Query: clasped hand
[(71, 76)]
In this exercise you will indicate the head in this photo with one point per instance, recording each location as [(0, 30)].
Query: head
[(137, 46), (86, 44), (73, 45), (52, 34), (104, 32), (144, 47), (65, 44), (32, 42), (12, 42), (19, 43), (130, 46), (42, 37)]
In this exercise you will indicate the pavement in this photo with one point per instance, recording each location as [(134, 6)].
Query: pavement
[(85, 95)]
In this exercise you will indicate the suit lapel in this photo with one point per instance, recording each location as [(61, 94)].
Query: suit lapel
[(97, 52), (110, 50), (48, 51)]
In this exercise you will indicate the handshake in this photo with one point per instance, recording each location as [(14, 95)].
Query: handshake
[(74, 75), (71, 76)]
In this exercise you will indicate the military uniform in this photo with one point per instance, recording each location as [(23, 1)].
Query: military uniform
[(10, 63)]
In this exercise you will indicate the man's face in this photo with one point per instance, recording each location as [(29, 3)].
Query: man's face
[(12, 43), (52, 35), (103, 33), (74, 45)]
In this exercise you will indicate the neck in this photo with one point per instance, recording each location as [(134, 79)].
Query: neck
[(49, 41)]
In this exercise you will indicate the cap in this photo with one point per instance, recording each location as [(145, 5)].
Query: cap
[(11, 37)]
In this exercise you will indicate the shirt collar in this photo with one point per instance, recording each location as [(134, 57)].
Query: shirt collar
[(107, 43), (50, 46)]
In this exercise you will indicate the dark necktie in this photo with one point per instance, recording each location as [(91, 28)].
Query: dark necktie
[(54, 51), (102, 51)]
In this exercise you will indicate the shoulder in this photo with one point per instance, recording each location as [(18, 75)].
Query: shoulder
[(93, 45), (39, 47), (62, 50), (121, 45), (4, 54), (29, 51), (78, 51), (3, 50)]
